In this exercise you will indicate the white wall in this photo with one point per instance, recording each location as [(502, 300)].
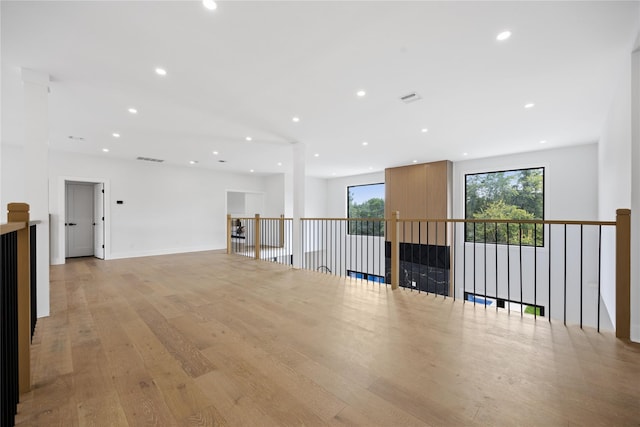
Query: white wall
[(275, 202), (12, 189), (570, 179), (635, 196), (337, 191), (11, 182), (619, 159), (315, 198), (235, 203), (614, 184), (166, 209)]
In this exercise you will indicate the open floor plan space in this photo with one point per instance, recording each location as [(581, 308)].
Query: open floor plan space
[(214, 339)]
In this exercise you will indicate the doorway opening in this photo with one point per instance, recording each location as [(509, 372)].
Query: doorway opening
[(84, 221)]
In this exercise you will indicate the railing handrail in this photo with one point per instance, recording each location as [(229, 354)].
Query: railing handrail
[(489, 221), (10, 227), (394, 236), (252, 218)]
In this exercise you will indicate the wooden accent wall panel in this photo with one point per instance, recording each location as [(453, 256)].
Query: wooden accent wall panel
[(421, 191)]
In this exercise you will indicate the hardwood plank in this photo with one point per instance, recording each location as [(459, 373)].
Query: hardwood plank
[(215, 339)]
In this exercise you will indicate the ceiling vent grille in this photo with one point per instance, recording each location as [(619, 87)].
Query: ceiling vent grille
[(149, 159), (410, 97)]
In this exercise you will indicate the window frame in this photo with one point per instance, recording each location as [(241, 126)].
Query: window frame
[(349, 232), (516, 169)]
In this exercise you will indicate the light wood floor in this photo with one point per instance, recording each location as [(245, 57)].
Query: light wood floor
[(211, 339)]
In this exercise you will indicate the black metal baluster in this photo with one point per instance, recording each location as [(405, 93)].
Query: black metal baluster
[(520, 244), (447, 261), (509, 267), (474, 264), (453, 246), (581, 271), (34, 272), (485, 265), (369, 233), (549, 255), (429, 270), (599, 268), (496, 244), (464, 262), (426, 266), (436, 261), (361, 267), (535, 270), (413, 261), (565, 275)]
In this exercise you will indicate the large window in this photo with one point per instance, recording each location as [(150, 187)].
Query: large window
[(514, 194), (366, 201)]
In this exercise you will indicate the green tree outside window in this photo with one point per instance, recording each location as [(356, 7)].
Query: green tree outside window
[(366, 201), (514, 195)]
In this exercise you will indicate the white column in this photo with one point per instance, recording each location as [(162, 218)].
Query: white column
[(298, 202), (635, 195), (36, 172)]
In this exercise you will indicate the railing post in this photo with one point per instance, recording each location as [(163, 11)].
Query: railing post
[(19, 212), (281, 230), (395, 249), (257, 236), (623, 273), (229, 231)]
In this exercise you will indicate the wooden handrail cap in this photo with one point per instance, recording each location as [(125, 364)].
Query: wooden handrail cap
[(623, 211), (18, 207)]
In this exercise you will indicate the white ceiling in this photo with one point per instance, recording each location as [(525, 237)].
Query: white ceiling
[(247, 68)]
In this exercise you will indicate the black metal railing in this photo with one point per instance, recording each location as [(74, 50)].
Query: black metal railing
[(569, 271), (351, 247), (263, 238), (549, 269), (9, 387)]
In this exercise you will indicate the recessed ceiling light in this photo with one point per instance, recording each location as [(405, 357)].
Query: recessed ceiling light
[(106, 150), (361, 93), (251, 170), (116, 135), (209, 4), (161, 71), (503, 36), (193, 162), (215, 153), (279, 163), (333, 174), (365, 143), (370, 168), (316, 155), (248, 138), (544, 141), (296, 119), (529, 105), (415, 161), (465, 154), (424, 130), (133, 111)]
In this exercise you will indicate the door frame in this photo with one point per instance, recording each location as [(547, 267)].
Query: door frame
[(57, 221)]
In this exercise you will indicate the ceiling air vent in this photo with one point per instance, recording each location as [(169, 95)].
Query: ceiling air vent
[(149, 159), (410, 97)]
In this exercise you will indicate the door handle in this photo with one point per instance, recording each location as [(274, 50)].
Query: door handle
[(72, 223)]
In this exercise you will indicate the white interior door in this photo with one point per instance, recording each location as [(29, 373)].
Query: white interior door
[(98, 220), (79, 220)]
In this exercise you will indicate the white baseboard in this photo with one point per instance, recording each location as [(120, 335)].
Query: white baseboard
[(156, 252)]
